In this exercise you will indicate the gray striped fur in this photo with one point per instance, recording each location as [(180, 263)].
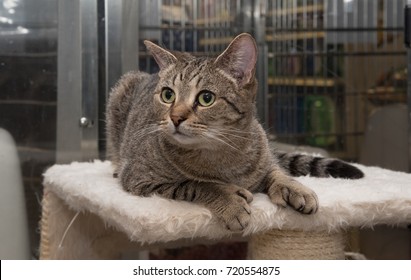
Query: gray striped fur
[(297, 164), (214, 156)]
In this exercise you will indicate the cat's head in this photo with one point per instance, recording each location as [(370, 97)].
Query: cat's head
[(206, 102)]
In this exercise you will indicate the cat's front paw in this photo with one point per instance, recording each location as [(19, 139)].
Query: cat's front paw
[(296, 195), (234, 209)]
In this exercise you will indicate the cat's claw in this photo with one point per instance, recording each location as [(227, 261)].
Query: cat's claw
[(301, 198), (236, 213), (237, 216), (245, 194)]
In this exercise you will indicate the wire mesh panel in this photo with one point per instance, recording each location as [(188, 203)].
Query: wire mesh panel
[(330, 63), (203, 27)]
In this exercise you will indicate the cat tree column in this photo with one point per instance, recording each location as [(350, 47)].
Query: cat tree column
[(87, 215), (290, 245)]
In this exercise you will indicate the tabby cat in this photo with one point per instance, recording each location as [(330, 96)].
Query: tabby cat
[(190, 133)]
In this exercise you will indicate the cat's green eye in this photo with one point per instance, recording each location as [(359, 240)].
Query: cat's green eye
[(206, 98), (167, 95)]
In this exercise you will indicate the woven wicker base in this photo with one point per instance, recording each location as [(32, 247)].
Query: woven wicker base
[(297, 245)]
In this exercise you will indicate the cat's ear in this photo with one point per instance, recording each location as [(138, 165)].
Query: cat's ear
[(163, 57), (239, 59)]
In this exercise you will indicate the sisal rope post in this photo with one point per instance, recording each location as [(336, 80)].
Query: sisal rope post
[(297, 245), (45, 227)]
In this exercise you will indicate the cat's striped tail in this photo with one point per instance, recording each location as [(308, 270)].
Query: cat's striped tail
[(301, 165)]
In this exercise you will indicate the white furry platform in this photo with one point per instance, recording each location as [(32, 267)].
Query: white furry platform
[(382, 197)]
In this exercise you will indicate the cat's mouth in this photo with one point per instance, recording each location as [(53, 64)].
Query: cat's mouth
[(182, 137), (179, 133)]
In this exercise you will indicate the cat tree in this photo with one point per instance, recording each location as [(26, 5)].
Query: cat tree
[(86, 215)]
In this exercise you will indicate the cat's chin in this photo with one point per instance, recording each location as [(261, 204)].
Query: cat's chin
[(187, 141), (184, 139)]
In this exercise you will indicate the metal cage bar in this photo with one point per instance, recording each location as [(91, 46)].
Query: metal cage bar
[(77, 110)]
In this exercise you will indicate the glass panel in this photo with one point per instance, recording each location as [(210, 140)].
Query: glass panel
[(28, 86)]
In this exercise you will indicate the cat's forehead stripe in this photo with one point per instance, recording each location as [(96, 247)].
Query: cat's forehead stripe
[(191, 72), (196, 68), (174, 79), (199, 80), (194, 75)]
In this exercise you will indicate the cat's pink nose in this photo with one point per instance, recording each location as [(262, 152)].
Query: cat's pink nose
[(177, 119)]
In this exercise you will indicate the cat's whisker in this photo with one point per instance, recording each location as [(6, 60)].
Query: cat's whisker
[(238, 131), (147, 131), (227, 135), (144, 130), (234, 135), (158, 129), (149, 126), (215, 137), (228, 139)]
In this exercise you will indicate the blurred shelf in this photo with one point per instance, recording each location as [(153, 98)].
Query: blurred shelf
[(29, 55), (297, 35), (216, 41), (387, 94), (174, 13), (178, 14), (297, 10), (304, 82), (213, 20), (28, 102)]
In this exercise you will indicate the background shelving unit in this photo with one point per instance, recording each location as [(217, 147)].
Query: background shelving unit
[(322, 69), (303, 96), (318, 90)]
